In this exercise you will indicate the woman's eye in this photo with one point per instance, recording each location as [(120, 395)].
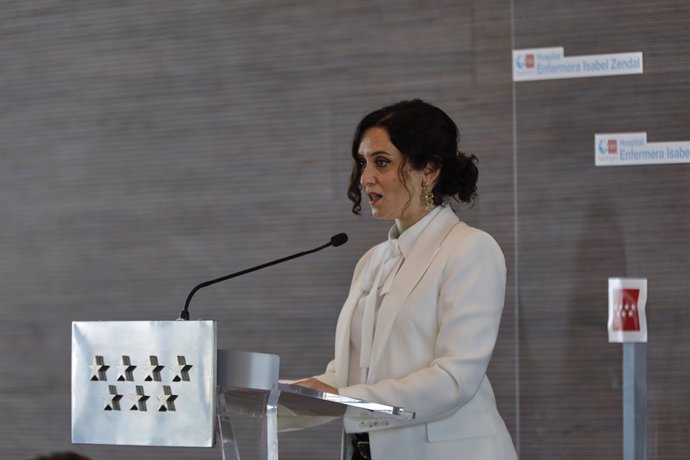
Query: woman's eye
[(381, 163), (361, 162)]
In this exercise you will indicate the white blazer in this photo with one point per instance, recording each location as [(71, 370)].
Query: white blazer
[(435, 334)]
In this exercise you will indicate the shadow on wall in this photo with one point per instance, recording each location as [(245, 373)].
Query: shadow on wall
[(600, 253), (571, 395)]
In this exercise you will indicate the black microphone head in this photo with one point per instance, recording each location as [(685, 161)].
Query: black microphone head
[(339, 239)]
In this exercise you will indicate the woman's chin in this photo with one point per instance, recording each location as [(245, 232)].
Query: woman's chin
[(379, 214)]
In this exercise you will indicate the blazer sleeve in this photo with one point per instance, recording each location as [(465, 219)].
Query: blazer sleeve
[(469, 308)]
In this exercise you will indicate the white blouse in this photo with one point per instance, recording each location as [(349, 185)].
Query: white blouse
[(377, 278)]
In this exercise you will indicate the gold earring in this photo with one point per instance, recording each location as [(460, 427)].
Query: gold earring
[(427, 196)]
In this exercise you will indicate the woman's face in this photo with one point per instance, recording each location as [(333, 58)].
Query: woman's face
[(381, 181)]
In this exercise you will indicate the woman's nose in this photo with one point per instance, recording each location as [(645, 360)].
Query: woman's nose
[(367, 177)]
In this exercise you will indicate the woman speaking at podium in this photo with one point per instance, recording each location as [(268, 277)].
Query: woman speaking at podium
[(420, 322)]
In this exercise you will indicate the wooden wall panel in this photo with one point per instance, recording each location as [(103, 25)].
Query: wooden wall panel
[(147, 146)]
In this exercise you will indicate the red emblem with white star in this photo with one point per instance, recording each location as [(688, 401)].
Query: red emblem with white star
[(529, 61), (613, 146), (626, 313)]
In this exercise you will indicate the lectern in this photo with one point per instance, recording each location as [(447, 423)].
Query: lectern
[(164, 383)]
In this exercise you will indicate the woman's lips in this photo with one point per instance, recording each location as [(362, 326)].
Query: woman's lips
[(374, 198)]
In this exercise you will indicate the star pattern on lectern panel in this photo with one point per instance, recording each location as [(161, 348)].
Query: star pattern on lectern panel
[(125, 372), (139, 399), (98, 369), (153, 371), (166, 401), (141, 381), (112, 399), (181, 371)]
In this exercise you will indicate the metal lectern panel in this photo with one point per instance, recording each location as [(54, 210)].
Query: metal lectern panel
[(149, 383)]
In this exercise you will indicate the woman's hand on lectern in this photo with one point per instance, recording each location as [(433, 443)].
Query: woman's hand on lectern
[(318, 385)]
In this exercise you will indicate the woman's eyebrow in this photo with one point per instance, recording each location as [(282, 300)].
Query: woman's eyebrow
[(378, 152)]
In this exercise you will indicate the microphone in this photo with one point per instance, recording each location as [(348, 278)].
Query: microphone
[(336, 240)]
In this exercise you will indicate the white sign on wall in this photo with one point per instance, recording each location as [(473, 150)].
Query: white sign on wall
[(624, 149), (550, 63)]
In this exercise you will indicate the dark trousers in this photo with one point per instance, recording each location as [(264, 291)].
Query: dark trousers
[(360, 446)]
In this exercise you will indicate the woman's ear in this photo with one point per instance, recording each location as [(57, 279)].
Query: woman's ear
[(431, 173)]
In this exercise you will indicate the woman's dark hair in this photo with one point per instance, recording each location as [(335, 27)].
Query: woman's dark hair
[(426, 136)]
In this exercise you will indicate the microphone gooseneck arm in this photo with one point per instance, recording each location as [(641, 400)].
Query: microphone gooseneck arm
[(337, 240)]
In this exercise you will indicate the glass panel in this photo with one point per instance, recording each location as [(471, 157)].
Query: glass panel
[(580, 224)]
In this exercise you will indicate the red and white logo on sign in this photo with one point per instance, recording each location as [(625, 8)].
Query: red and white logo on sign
[(626, 316), (613, 146), (529, 61)]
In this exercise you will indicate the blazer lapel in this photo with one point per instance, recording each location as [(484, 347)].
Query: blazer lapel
[(342, 330), (413, 268), (342, 336)]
